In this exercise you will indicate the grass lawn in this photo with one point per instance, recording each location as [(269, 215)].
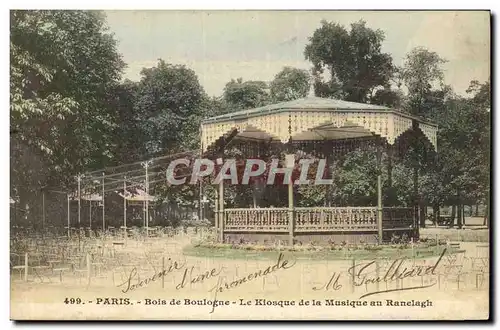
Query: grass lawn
[(227, 252), (457, 235)]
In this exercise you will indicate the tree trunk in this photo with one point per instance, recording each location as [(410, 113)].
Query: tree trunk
[(451, 223), (459, 216), (459, 211), (416, 197), (486, 220), (435, 214), (463, 216), (438, 216), (422, 213), (476, 212), (390, 194)]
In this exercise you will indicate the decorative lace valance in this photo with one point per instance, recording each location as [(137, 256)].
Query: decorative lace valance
[(284, 124)]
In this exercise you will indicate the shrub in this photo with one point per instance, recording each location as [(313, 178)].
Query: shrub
[(373, 247), (405, 239), (395, 239), (403, 246)]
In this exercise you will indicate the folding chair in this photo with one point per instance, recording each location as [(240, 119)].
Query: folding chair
[(39, 265), (18, 263)]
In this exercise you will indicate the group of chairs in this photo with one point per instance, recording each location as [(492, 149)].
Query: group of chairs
[(111, 257), (456, 271), (88, 254)]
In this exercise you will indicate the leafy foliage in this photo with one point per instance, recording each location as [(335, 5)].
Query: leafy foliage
[(70, 113), (423, 77), (240, 95), (465, 148), (64, 66), (353, 60), (127, 134), (290, 84), (357, 179), (169, 108), (388, 97)]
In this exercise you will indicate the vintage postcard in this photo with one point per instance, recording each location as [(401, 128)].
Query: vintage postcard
[(250, 165)]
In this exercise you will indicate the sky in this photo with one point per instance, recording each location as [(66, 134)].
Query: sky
[(256, 45)]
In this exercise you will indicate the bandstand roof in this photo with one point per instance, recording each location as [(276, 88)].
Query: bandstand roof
[(315, 118)]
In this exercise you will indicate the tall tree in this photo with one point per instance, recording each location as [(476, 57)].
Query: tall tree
[(481, 93), (481, 104), (240, 95), (423, 76), (128, 137), (353, 60), (170, 104), (64, 65), (216, 105), (462, 172), (388, 97), (290, 84)]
